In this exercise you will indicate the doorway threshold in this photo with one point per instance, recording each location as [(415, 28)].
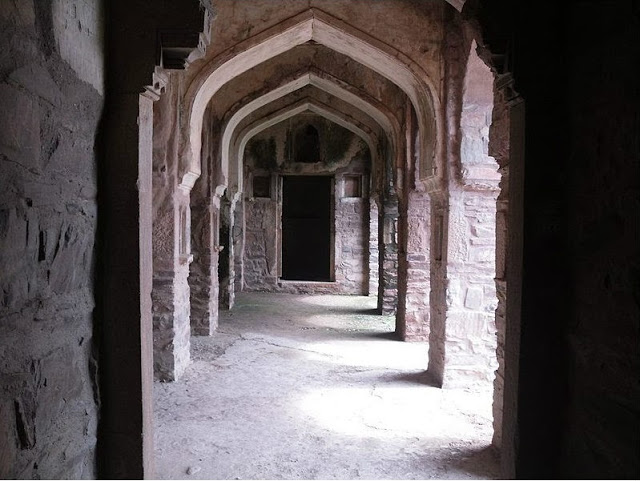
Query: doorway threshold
[(309, 287), (313, 283)]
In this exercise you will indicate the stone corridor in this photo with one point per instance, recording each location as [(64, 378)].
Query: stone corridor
[(316, 387)]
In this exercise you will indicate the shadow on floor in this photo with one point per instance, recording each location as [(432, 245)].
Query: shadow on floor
[(423, 378), (389, 336), (479, 462)]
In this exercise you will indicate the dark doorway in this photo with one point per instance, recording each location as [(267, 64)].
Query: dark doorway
[(306, 228)]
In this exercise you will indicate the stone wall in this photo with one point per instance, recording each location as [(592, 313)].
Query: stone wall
[(51, 84), (203, 274), (571, 387), (602, 331), (269, 154)]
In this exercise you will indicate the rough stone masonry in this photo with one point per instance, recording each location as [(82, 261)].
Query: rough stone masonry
[(52, 95)]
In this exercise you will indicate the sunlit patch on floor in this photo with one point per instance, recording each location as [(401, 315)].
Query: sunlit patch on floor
[(296, 390)]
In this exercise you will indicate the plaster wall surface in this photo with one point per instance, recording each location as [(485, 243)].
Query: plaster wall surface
[(51, 84)]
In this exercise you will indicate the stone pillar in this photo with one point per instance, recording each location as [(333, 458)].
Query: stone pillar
[(499, 147), (470, 334), (514, 270), (351, 242), (373, 247), (226, 264), (125, 174), (171, 254), (463, 341), (237, 234), (438, 294), (501, 312), (126, 371), (388, 260), (204, 270), (170, 295), (413, 309)]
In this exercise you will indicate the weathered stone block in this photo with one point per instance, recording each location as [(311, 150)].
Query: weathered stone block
[(473, 298), (483, 231), (19, 127), (37, 80), (482, 254)]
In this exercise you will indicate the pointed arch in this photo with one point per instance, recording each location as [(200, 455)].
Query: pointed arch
[(313, 25), (305, 105), (386, 120)]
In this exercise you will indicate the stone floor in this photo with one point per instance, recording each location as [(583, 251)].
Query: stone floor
[(316, 387)]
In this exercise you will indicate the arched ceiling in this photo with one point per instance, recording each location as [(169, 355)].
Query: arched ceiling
[(292, 64)]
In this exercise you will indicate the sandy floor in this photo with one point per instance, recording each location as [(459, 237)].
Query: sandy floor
[(316, 387)]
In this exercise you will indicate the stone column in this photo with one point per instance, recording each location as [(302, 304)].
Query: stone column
[(438, 294), (226, 267), (463, 340), (170, 295), (470, 333), (127, 349), (204, 270), (499, 147), (413, 309), (237, 234), (388, 252), (373, 247)]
